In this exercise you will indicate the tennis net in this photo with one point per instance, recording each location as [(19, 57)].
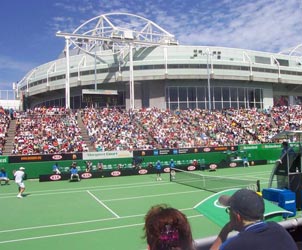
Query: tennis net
[(211, 183)]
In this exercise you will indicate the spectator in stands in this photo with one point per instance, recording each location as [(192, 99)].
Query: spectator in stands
[(55, 168), (246, 211), (167, 228), (3, 176)]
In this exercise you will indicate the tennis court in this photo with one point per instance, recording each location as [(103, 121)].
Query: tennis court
[(105, 213)]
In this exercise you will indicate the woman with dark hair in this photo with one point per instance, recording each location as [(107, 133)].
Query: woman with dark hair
[(167, 228)]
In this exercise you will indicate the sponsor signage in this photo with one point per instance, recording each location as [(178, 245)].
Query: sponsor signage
[(181, 151), (143, 171), (191, 168), (3, 159), (55, 177), (107, 155), (49, 157), (116, 173), (86, 175)]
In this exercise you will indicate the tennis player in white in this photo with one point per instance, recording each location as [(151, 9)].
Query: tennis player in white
[(19, 177)]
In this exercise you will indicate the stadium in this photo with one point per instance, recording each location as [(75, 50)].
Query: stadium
[(127, 61)]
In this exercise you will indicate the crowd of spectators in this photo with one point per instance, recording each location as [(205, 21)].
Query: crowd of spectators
[(46, 131), (4, 125), (115, 129), (56, 130)]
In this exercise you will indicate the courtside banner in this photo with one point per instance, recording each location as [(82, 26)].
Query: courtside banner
[(46, 157), (107, 155), (181, 151), (214, 211), (3, 159)]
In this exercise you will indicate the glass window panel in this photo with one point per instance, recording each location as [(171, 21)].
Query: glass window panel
[(217, 94), (217, 105), (234, 105), (258, 105), (183, 105), (173, 106), (251, 96), (192, 94), (182, 94), (242, 105), (76, 102), (226, 105), (226, 94), (192, 105), (173, 94), (201, 94), (233, 92), (241, 94), (258, 95), (201, 105)]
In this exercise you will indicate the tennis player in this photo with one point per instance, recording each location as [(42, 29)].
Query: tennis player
[(19, 180)]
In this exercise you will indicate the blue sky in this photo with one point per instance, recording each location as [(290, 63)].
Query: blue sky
[(28, 27)]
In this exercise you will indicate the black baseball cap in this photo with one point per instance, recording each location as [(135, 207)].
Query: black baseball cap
[(247, 203)]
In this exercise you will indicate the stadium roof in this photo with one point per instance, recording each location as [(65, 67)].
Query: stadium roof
[(110, 31)]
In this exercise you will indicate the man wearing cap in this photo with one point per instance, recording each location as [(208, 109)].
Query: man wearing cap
[(19, 177), (246, 211)]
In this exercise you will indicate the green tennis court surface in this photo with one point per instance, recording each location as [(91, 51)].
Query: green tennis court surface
[(105, 213)]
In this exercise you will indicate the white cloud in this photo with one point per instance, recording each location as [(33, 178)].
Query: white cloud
[(7, 63), (269, 25), (259, 25)]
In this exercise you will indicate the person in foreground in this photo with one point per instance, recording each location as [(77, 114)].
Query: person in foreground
[(167, 228), (246, 211)]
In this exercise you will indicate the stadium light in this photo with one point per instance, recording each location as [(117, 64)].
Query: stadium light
[(208, 54), (67, 80)]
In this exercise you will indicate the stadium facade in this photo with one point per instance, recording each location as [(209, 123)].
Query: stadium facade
[(108, 64)]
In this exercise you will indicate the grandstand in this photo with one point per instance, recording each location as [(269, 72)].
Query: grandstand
[(122, 65), (130, 62)]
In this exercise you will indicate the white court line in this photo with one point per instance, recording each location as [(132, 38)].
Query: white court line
[(42, 193), (110, 187), (71, 233), (99, 201), (155, 195), (79, 232), (78, 222)]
